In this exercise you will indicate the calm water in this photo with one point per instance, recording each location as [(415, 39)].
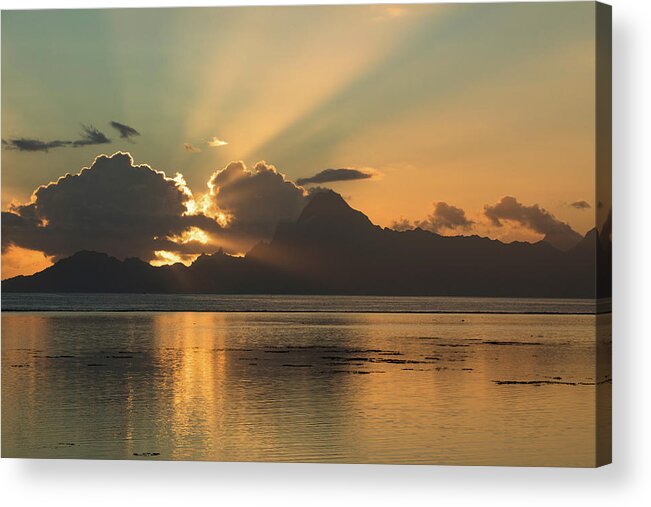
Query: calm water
[(355, 304), (282, 386)]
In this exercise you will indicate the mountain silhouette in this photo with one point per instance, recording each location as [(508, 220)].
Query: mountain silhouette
[(334, 249)]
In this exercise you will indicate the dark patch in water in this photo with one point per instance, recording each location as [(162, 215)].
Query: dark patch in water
[(546, 382), (146, 453), (385, 360), (298, 365), (511, 343)]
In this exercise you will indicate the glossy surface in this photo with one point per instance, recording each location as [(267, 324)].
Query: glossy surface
[(392, 388)]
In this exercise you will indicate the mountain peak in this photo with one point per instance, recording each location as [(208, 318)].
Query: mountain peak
[(327, 206)]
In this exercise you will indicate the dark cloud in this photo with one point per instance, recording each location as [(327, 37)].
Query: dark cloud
[(191, 148), (332, 175), (402, 224), (113, 206), (581, 205), (24, 144), (535, 218), (125, 131), (445, 217), (89, 136), (254, 201)]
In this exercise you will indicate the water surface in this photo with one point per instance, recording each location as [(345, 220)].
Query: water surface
[(289, 303), (366, 387)]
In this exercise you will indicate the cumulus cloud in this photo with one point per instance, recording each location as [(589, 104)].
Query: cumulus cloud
[(191, 148), (534, 218), (89, 136), (254, 201), (113, 206), (444, 218), (581, 205), (125, 131), (215, 142), (332, 175)]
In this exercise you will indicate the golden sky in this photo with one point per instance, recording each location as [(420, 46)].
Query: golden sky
[(455, 104)]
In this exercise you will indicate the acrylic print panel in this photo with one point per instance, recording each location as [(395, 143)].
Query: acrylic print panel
[(348, 234)]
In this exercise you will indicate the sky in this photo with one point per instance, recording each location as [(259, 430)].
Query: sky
[(460, 119)]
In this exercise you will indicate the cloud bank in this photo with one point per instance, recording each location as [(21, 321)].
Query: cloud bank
[(444, 219), (128, 210), (254, 201), (113, 206), (26, 144), (534, 218), (332, 175), (88, 136)]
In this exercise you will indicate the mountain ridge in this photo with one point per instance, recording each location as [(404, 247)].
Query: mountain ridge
[(334, 249)]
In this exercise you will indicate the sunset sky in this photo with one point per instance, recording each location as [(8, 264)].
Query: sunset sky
[(438, 112)]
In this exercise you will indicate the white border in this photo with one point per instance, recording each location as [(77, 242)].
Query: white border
[(626, 482)]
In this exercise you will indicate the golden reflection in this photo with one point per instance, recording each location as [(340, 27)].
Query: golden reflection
[(32, 330), (186, 345)]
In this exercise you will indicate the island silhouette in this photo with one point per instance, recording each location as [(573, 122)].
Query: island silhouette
[(335, 249)]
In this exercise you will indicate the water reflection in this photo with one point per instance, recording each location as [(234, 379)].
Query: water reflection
[(466, 389)]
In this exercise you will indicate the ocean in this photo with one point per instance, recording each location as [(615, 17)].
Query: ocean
[(292, 378)]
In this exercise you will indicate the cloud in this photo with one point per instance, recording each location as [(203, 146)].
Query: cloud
[(113, 206), (444, 218), (25, 144), (402, 224), (581, 205), (191, 148), (254, 201), (534, 218), (125, 131), (215, 142), (89, 136), (332, 175)]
